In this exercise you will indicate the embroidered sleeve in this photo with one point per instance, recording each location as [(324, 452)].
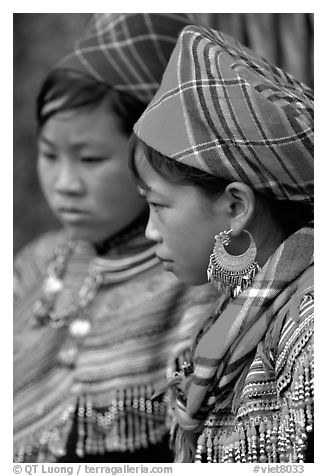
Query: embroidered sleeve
[(294, 373)]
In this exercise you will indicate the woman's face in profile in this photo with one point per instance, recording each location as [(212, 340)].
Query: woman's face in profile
[(182, 222), (82, 167)]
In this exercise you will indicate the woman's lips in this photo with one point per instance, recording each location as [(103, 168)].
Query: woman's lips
[(72, 214)]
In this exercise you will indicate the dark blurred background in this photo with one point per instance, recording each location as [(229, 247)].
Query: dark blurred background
[(41, 39)]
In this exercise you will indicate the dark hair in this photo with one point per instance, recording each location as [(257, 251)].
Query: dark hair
[(173, 171), (65, 89), (290, 215)]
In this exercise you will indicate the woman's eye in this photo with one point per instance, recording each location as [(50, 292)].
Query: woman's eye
[(156, 206), (93, 160), (48, 155)]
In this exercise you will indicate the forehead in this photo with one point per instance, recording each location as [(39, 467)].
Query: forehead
[(181, 195), (148, 178), (84, 123)]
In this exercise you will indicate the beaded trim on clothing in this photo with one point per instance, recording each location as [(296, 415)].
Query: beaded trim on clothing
[(274, 419), (267, 429), (274, 436), (131, 421)]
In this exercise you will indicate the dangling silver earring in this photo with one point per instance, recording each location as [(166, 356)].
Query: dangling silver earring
[(232, 274)]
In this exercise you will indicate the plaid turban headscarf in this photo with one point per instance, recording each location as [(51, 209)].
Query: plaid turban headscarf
[(128, 51), (222, 109)]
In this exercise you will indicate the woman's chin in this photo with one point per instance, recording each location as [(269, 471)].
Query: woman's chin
[(187, 277), (84, 234)]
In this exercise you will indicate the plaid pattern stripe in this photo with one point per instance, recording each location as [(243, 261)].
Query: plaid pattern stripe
[(224, 110), (128, 51)]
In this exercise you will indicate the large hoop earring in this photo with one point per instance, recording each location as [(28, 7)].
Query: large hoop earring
[(232, 274)]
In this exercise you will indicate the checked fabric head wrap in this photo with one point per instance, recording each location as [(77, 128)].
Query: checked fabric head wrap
[(128, 51), (222, 109)]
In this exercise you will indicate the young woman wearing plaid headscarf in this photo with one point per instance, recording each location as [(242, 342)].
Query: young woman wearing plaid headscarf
[(96, 319), (224, 156)]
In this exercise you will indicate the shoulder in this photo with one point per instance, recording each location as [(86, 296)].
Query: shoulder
[(41, 248), (31, 261)]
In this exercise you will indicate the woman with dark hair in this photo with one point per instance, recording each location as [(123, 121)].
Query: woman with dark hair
[(97, 321), (224, 156)]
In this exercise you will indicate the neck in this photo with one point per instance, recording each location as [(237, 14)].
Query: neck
[(267, 239), (124, 235)]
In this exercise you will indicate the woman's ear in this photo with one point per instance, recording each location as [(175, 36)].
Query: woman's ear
[(241, 204)]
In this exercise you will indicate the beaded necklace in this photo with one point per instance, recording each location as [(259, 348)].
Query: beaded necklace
[(76, 317)]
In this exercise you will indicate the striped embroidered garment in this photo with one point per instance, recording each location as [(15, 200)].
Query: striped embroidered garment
[(139, 322), (273, 421)]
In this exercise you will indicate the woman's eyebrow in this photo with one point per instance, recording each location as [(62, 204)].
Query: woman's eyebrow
[(142, 186), (145, 190), (45, 140), (142, 191)]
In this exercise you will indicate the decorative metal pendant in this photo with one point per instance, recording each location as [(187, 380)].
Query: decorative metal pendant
[(79, 328), (68, 355), (232, 274), (52, 286)]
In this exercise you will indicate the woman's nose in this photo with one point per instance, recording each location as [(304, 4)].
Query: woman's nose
[(151, 232), (68, 179)]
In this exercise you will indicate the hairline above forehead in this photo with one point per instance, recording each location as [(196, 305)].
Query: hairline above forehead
[(138, 157), (65, 90), (151, 189), (105, 106)]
